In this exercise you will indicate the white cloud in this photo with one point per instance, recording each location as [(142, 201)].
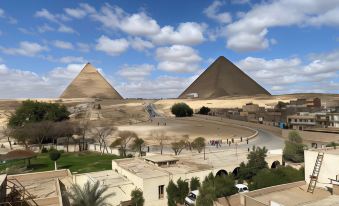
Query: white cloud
[(162, 86), (134, 24), (83, 47), (15, 83), (112, 47), (188, 33), (136, 72), (72, 59), (139, 24), (80, 12), (45, 28), (8, 18), (25, 49), (66, 29), (139, 44), (249, 33), (44, 13), (178, 58), (288, 73), (212, 12), (63, 44)]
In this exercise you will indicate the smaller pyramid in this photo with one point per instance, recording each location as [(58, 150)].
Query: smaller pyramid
[(223, 78), (90, 84)]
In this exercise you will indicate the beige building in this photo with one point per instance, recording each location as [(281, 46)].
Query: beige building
[(322, 166)]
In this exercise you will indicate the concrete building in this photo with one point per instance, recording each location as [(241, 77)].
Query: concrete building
[(151, 174), (333, 119), (326, 192)]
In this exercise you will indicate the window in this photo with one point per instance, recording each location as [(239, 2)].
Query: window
[(161, 191)]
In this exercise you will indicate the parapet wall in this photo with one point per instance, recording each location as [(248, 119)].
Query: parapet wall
[(274, 130), (40, 175), (314, 137)]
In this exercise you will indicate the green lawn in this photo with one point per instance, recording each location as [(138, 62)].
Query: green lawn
[(76, 162)]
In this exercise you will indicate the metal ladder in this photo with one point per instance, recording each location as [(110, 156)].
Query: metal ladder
[(315, 174), (24, 197)]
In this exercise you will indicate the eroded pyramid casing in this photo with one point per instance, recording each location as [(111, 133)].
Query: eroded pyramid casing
[(223, 78), (90, 84)]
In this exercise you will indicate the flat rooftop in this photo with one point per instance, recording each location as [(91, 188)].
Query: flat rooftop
[(143, 169), (109, 178), (328, 201), (160, 158), (329, 150), (293, 196)]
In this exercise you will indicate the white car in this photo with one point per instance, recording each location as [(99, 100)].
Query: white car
[(191, 198), (241, 188)]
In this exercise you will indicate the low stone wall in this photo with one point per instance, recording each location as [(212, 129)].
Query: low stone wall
[(320, 138), (274, 130), (40, 175)]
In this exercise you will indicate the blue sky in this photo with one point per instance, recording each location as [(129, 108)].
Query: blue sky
[(157, 48)]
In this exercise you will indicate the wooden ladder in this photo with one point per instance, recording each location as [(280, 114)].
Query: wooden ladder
[(315, 173)]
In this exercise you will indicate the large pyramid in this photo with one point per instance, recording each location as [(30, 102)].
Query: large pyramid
[(90, 84), (223, 78)]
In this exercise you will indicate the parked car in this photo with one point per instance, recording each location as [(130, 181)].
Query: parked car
[(191, 198), (241, 188)]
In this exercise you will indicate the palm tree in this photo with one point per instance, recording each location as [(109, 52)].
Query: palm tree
[(89, 195)]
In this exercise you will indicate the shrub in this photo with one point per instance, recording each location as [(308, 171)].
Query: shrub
[(181, 110), (195, 183), (204, 110), (294, 149), (182, 191), (44, 150), (172, 193), (256, 162), (281, 175), (137, 198), (54, 155)]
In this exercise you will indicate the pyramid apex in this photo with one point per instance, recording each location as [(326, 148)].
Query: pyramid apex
[(89, 68)]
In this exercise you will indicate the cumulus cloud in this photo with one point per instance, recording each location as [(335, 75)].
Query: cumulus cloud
[(280, 74), (188, 33), (25, 49), (45, 14), (45, 28), (140, 24), (136, 72), (81, 11), (112, 47), (6, 17), (249, 33), (16, 83), (139, 44), (66, 29), (63, 44), (178, 58), (212, 12)]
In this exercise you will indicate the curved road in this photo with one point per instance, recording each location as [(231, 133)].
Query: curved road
[(264, 138)]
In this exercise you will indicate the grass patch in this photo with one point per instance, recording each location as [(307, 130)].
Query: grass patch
[(80, 162)]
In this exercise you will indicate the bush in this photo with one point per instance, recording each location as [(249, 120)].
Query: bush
[(54, 155), (181, 110), (137, 198), (172, 193), (294, 149), (204, 110), (182, 191), (281, 175), (195, 183), (256, 162), (44, 150)]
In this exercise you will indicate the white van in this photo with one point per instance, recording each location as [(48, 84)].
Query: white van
[(191, 198), (241, 188)]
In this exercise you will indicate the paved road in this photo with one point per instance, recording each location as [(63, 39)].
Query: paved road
[(264, 138)]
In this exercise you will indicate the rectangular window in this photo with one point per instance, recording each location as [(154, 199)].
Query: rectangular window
[(161, 191)]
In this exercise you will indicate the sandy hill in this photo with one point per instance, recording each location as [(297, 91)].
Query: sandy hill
[(223, 78), (90, 84)]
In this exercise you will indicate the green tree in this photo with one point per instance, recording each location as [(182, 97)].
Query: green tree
[(224, 186), (178, 146), (137, 145), (182, 191), (256, 162), (294, 148), (54, 155), (207, 193), (181, 110), (137, 198), (172, 193), (204, 110), (89, 195), (194, 183), (33, 111), (199, 144), (271, 177)]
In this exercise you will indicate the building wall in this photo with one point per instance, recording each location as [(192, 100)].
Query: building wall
[(329, 167)]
